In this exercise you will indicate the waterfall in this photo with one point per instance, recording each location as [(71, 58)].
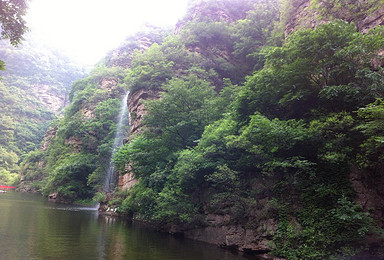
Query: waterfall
[(121, 132)]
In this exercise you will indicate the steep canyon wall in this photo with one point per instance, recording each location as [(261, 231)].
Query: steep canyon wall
[(258, 239)]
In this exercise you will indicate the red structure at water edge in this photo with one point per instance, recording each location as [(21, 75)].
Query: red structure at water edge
[(6, 187)]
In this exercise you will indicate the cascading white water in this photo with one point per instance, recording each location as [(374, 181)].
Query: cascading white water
[(121, 132)]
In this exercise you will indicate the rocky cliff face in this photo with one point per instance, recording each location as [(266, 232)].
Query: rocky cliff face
[(137, 109), (219, 232), (303, 14), (215, 10), (137, 112), (371, 21), (219, 229), (49, 135), (122, 56), (49, 100), (219, 11), (369, 187)]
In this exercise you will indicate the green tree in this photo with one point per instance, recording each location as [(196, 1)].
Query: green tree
[(372, 128), (11, 18), (70, 177), (149, 69), (317, 71), (255, 31), (348, 10), (12, 22), (183, 111)]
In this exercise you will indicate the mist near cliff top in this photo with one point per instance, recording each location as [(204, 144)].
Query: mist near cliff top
[(87, 29)]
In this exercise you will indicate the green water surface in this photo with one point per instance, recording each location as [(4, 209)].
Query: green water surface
[(33, 228)]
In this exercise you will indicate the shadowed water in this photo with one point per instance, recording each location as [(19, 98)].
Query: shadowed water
[(32, 228)]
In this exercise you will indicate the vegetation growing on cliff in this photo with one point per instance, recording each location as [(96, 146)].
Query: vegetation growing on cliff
[(250, 126), (294, 122), (351, 11), (76, 158), (33, 87)]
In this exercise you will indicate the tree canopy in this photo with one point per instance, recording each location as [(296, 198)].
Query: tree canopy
[(13, 25)]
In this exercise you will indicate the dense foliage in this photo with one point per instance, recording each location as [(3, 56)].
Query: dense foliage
[(33, 88), (249, 125), (79, 149), (292, 123), (12, 22), (347, 9), (11, 18)]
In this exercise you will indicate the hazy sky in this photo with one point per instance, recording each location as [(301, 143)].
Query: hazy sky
[(90, 28)]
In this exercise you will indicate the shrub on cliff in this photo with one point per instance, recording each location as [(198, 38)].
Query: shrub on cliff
[(293, 123)]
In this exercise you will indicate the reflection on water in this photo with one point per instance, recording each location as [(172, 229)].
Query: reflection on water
[(32, 228)]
